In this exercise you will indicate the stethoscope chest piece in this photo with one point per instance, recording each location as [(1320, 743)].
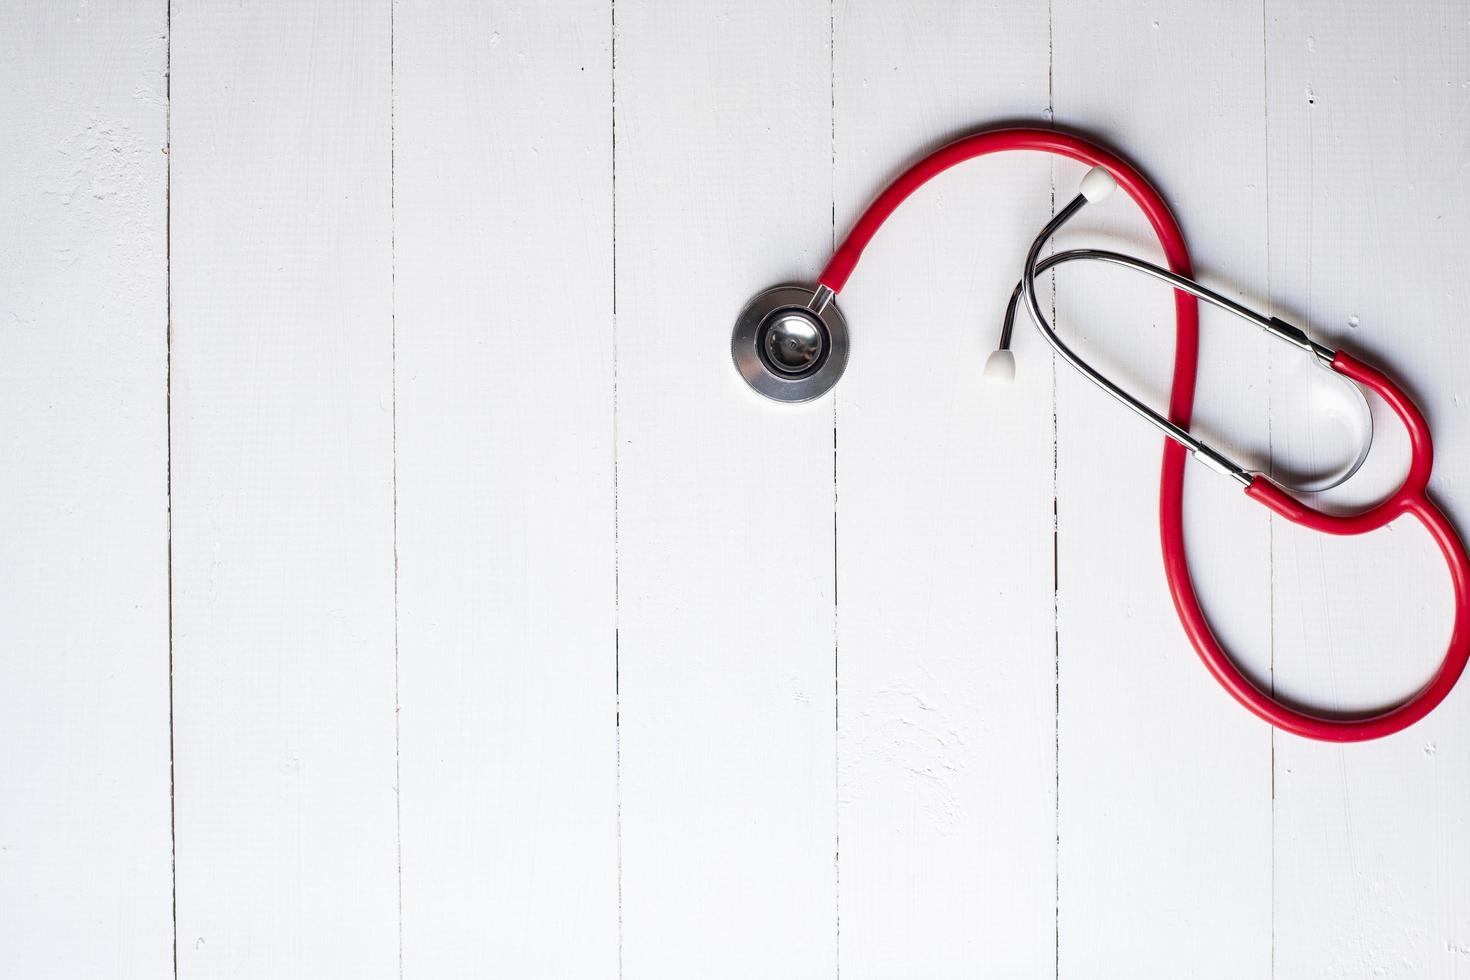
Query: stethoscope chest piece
[(790, 343)]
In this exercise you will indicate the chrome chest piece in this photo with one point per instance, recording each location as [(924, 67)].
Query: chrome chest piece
[(790, 343)]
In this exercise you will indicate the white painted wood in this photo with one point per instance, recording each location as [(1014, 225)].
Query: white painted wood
[(84, 769), (725, 501), (1164, 827), (945, 514), (1367, 132), (283, 491), (503, 244), (690, 684)]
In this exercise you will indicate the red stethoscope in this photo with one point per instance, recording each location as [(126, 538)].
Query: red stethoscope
[(790, 344)]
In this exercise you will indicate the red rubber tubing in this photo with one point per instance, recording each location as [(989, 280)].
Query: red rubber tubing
[(1410, 499)]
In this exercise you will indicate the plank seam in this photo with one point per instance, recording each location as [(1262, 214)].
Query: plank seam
[(393, 400), (1270, 455), (1056, 564), (168, 413), (836, 606), (617, 528)]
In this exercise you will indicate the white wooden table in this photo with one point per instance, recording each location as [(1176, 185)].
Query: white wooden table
[(400, 582)]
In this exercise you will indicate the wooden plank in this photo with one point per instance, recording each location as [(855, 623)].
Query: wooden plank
[(503, 204), (945, 516), (1367, 135), (725, 501), (1164, 827), (283, 491), (85, 879)]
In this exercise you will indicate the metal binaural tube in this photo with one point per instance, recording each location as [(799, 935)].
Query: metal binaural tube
[(1201, 451), (1277, 328)]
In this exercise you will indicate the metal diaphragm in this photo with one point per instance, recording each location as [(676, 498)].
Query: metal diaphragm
[(785, 349)]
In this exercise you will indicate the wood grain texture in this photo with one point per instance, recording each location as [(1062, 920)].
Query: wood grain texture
[(513, 636), (503, 205), (1164, 827), (725, 501), (84, 724), (1367, 114), (945, 514), (283, 491)]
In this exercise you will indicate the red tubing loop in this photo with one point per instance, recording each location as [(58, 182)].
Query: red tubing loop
[(1410, 499)]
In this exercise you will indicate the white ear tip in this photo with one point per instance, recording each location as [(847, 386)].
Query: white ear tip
[(1000, 367), (1097, 185)]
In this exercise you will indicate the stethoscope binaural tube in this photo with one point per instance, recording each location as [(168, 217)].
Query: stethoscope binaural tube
[(1281, 330), (1410, 498)]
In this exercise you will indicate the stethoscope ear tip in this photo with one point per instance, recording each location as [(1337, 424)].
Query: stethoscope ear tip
[(1000, 367), (1097, 184)]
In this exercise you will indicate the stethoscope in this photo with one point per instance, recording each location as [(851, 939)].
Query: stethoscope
[(790, 344)]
